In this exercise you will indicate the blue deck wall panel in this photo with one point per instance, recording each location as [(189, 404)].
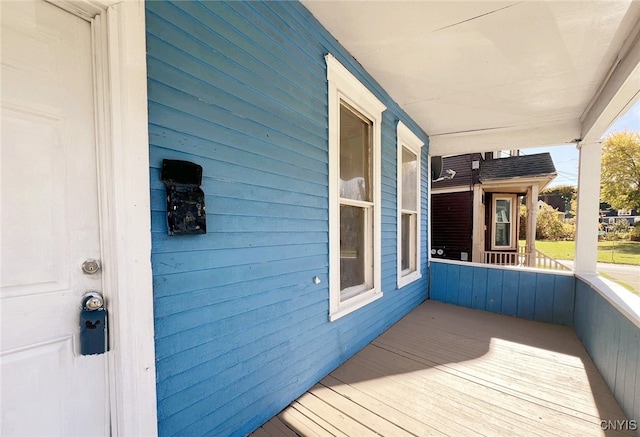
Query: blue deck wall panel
[(613, 342), (610, 338), (532, 295), (241, 328)]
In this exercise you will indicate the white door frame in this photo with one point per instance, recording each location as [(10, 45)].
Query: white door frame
[(119, 47)]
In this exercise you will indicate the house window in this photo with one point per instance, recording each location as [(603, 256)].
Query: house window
[(504, 221), (408, 232), (355, 120), (356, 203), (624, 212), (505, 153)]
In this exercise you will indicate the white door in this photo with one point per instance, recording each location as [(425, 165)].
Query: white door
[(49, 224)]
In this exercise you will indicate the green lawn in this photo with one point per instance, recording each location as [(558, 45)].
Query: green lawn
[(618, 252)]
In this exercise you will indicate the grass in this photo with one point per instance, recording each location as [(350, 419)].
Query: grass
[(618, 252), (557, 249)]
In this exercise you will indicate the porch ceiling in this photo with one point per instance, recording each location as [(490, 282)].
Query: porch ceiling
[(493, 75)]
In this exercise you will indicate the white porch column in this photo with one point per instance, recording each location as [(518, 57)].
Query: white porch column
[(588, 208), (532, 216), (478, 225)]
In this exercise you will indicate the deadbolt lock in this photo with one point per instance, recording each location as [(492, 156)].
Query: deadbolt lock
[(91, 266)]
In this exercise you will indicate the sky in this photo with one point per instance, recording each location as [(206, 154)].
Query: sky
[(565, 158)]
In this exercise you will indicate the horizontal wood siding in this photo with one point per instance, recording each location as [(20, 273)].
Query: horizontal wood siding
[(613, 342), (544, 297), (241, 328)]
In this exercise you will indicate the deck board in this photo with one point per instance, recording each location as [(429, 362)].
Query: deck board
[(447, 370)]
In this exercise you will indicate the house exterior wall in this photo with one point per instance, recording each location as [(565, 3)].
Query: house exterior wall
[(613, 342), (241, 327), (612, 216), (533, 295), (465, 177)]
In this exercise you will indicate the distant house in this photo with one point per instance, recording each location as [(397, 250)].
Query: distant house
[(557, 202), (475, 214), (610, 216)]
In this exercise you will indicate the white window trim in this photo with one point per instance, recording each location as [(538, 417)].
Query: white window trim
[(343, 86), (514, 221), (407, 139)]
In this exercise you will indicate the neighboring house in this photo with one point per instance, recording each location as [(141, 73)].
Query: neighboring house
[(610, 216), (475, 214), (557, 202)]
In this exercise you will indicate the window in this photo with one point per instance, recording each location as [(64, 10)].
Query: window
[(408, 235), (504, 221), (505, 153), (355, 119), (624, 212)]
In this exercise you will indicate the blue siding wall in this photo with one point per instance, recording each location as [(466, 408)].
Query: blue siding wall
[(241, 328), (613, 342), (532, 295)]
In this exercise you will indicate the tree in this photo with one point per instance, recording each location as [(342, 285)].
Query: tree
[(567, 192), (620, 227), (635, 232), (620, 177), (548, 223)]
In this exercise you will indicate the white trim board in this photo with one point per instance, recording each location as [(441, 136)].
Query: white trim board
[(407, 139), (119, 44), (344, 86), (624, 301), (464, 189)]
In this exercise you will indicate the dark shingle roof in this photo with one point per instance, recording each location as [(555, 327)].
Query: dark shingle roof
[(536, 165)]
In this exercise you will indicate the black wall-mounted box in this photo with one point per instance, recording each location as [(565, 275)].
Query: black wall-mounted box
[(185, 200)]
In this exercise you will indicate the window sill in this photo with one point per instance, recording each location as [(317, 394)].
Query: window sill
[(408, 279), (355, 303)]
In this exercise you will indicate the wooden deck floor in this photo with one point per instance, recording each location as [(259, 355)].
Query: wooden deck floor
[(446, 370)]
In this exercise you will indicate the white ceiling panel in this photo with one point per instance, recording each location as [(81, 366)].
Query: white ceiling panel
[(510, 73)]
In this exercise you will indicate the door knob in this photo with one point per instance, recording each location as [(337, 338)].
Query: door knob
[(92, 301)]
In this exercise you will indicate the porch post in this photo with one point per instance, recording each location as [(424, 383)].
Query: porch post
[(588, 208), (478, 226), (532, 216)]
